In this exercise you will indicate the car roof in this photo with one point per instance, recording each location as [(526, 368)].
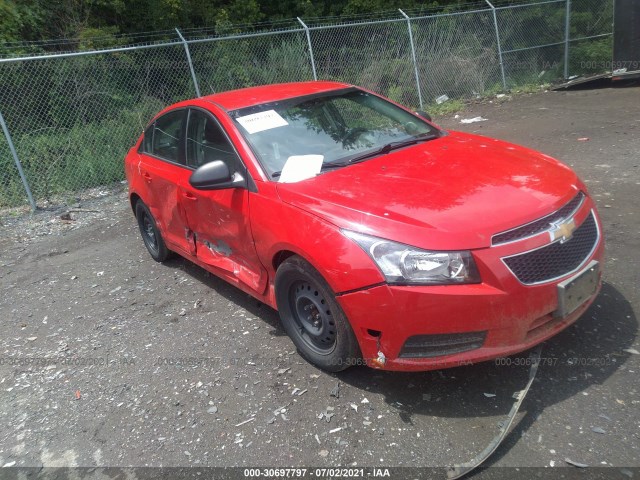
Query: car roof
[(247, 97)]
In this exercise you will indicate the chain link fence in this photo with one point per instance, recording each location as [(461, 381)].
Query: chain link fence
[(530, 58), (457, 54), (233, 62), (72, 116), (376, 55), (590, 38)]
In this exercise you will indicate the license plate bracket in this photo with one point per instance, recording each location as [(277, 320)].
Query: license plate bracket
[(576, 290)]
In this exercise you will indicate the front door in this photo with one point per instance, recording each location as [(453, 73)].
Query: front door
[(219, 219)]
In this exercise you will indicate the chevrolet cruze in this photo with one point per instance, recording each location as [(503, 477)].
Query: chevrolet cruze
[(379, 237)]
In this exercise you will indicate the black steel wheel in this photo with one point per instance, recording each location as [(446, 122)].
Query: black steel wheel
[(312, 317), (150, 234)]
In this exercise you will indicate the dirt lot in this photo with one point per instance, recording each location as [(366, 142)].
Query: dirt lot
[(110, 359)]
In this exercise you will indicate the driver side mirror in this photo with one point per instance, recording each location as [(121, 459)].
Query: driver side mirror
[(424, 115), (215, 176)]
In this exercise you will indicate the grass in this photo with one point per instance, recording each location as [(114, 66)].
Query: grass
[(530, 88), (445, 108), (457, 105)]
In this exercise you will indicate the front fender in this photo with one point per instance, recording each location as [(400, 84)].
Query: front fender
[(279, 227)]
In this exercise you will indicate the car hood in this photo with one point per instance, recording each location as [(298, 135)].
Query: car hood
[(451, 193)]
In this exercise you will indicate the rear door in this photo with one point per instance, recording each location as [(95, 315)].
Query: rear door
[(219, 219), (163, 167)]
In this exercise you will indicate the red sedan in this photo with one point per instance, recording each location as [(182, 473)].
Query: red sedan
[(380, 238)]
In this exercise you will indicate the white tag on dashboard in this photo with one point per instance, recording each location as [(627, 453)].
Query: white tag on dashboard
[(258, 122)]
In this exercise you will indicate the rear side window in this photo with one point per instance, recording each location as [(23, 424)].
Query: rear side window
[(167, 131), (147, 142)]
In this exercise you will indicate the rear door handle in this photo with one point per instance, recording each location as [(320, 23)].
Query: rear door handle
[(147, 177)]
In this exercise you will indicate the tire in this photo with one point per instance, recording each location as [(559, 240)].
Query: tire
[(312, 317), (150, 234)]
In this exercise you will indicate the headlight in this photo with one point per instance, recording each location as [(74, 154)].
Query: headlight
[(404, 264)]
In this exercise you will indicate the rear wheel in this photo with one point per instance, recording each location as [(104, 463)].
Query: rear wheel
[(312, 317), (150, 234)]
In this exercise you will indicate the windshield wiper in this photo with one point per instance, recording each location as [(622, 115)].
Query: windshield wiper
[(389, 147), (386, 148)]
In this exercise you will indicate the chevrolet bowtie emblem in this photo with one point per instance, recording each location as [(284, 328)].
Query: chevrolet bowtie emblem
[(562, 230)]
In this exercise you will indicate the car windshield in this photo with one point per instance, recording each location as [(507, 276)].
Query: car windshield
[(298, 138)]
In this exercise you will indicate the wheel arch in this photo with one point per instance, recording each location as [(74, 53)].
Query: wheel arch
[(287, 251), (333, 269), (281, 255), (134, 198), (280, 230)]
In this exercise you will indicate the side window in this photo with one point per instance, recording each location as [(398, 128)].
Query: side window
[(166, 135), (207, 142), (147, 141)]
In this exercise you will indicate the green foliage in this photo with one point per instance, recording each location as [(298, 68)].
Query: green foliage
[(93, 38), (530, 88), (73, 119), (458, 55), (446, 108), (591, 56), (11, 189), (10, 25), (230, 64), (20, 20), (368, 6), (247, 11), (392, 77), (285, 62), (58, 160)]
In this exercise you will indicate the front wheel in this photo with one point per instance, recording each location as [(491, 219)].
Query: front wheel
[(312, 317)]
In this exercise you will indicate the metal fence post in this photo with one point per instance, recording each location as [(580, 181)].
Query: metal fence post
[(413, 55), (495, 22), (193, 73), (567, 34), (18, 164), (313, 62)]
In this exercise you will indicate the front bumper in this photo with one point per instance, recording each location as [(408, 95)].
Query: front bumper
[(506, 315)]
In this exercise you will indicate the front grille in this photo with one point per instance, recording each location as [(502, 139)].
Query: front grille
[(557, 259), (427, 346), (540, 225)]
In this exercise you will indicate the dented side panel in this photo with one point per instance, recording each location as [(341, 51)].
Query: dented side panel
[(219, 223), (160, 192)]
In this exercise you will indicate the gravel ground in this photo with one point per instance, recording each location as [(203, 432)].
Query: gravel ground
[(110, 359)]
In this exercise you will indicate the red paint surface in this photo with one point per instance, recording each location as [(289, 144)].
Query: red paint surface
[(452, 193)]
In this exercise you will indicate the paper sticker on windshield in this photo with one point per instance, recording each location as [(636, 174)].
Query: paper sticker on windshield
[(300, 167), (258, 122)]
